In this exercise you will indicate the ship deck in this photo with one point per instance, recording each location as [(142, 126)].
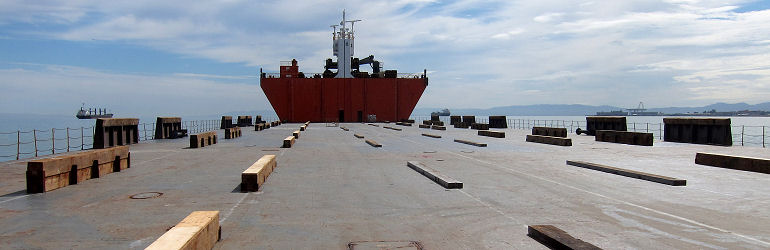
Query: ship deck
[(331, 189)]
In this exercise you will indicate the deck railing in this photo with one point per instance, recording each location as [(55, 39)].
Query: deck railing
[(743, 135), (20, 144)]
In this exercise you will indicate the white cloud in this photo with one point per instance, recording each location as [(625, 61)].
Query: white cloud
[(498, 52)]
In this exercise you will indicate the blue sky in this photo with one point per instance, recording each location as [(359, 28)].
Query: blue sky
[(190, 58)]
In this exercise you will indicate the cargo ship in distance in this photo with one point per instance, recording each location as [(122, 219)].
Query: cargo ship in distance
[(348, 94)]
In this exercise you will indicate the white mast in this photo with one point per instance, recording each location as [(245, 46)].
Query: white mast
[(343, 47)]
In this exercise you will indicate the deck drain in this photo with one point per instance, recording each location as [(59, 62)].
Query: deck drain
[(385, 245), (146, 195)]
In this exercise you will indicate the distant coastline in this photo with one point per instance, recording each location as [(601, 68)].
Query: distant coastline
[(717, 109)]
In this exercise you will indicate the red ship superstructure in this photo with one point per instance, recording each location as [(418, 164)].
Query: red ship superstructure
[(347, 95)]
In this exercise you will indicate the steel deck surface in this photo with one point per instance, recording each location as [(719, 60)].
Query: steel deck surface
[(331, 189)]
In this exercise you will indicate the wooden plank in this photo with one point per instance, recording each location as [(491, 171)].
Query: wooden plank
[(555, 238), (199, 230), (59, 171), (424, 126), (471, 143), (253, 177), (358, 136), (559, 141), (203, 139), (630, 173), (743, 163), (373, 143), (296, 134), (430, 135), (624, 137), (437, 127), (490, 133), (392, 128), (288, 142), (232, 133), (302, 128), (548, 131), (443, 180)]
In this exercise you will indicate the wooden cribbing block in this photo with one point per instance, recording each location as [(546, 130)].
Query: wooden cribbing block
[(625, 137), (203, 139), (443, 180), (51, 173), (288, 142), (344, 128), (302, 128), (555, 132), (199, 230), (427, 122), (424, 126), (430, 135), (555, 238), (471, 143), (758, 165), (307, 123), (480, 126), (358, 136), (490, 133), (232, 133), (253, 177), (559, 141), (437, 127), (295, 134), (392, 128), (630, 173), (259, 127), (372, 124), (373, 143)]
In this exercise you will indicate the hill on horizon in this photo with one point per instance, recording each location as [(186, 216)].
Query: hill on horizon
[(580, 110)]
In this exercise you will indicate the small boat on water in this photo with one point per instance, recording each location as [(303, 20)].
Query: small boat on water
[(92, 113)]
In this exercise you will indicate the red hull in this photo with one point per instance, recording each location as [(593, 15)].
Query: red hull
[(343, 99)]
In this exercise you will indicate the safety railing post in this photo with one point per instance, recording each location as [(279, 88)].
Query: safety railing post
[(763, 136), (660, 131), (18, 144), (144, 127), (647, 130), (82, 139), (68, 139), (53, 141), (743, 127), (34, 139)]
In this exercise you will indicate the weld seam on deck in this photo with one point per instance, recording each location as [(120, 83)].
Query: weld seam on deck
[(630, 173), (445, 181)]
